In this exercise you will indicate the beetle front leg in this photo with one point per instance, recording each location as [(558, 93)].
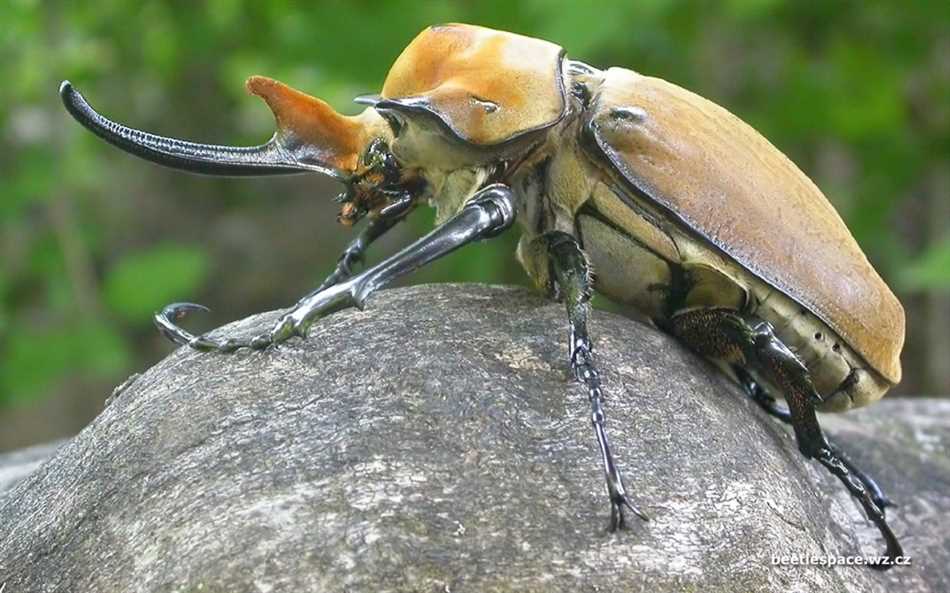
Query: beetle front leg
[(751, 342), (572, 275), (355, 251), (352, 255), (489, 212)]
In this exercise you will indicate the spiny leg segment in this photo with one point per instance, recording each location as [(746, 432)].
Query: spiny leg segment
[(490, 211), (572, 276), (750, 342), (765, 400)]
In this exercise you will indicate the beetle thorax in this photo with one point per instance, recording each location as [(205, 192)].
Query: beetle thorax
[(454, 170)]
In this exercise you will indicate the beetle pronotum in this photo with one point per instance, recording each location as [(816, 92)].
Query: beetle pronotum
[(686, 212)]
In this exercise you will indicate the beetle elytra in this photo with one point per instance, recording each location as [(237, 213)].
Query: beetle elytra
[(684, 212)]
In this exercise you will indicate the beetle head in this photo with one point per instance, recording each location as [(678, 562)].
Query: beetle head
[(310, 137), (458, 97)]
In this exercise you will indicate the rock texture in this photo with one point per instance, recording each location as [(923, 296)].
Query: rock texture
[(433, 443), (17, 465)]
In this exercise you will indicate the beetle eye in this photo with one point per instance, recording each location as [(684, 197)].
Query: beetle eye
[(395, 122)]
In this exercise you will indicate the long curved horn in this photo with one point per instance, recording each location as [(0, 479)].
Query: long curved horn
[(310, 137)]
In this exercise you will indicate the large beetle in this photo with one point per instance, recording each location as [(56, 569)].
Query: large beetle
[(684, 212)]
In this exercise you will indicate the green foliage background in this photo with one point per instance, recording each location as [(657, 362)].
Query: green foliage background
[(93, 241)]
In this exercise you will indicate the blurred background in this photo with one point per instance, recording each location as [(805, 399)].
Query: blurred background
[(93, 241)]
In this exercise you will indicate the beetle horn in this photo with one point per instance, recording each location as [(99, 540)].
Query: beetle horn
[(310, 136)]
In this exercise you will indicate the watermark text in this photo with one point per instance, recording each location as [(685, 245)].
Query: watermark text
[(831, 560)]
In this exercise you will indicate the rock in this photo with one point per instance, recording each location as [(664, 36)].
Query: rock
[(17, 465), (433, 442), (905, 443)]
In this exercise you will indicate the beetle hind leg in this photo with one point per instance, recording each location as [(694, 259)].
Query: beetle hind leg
[(760, 395), (751, 343), (764, 399)]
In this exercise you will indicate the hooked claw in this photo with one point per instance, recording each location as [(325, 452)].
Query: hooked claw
[(165, 322), (617, 519), (619, 501), (293, 323), (179, 310)]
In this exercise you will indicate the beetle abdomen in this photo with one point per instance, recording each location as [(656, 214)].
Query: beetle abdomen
[(839, 374), (662, 272), (718, 178)]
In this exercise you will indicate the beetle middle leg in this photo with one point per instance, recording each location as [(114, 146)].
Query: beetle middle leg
[(572, 275), (489, 212), (751, 343)]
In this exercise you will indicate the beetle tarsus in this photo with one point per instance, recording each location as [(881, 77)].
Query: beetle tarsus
[(855, 485), (352, 255), (166, 320), (582, 365), (573, 282), (877, 495)]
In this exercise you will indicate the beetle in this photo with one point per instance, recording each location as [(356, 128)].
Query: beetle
[(685, 212)]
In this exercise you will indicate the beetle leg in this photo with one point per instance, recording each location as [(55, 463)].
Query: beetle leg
[(352, 255), (356, 250), (489, 212), (572, 274), (741, 339), (762, 397)]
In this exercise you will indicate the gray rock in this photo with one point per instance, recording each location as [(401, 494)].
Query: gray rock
[(17, 465), (434, 443)]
